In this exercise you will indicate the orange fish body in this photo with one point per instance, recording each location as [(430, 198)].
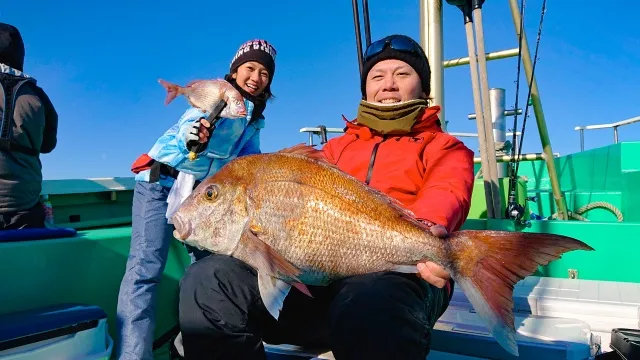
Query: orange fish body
[(299, 220)]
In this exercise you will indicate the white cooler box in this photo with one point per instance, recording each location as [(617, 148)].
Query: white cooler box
[(66, 331), (604, 305), (462, 332)]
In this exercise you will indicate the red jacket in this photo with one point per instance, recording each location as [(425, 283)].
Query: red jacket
[(429, 171)]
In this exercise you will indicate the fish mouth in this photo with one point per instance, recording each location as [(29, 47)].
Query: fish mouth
[(183, 228)]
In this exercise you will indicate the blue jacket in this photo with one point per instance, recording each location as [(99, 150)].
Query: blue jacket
[(230, 139)]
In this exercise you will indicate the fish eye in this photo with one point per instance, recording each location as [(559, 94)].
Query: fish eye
[(211, 192)]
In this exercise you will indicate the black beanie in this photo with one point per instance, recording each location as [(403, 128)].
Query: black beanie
[(259, 51), (11, 47), (418, 61)]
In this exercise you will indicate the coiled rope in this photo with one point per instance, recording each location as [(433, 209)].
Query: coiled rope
[(577, 215), (594, 205)]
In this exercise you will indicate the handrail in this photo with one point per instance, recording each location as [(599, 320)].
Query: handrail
[(317, 130), (462, 134), (614, 125)]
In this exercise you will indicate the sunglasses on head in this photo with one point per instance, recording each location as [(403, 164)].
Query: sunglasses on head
[(396, 43)]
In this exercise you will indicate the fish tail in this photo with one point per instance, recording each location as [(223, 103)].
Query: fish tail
[(487, 264), (173, 90)]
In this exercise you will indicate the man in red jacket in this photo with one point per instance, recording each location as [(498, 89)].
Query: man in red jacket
[(396, 145)]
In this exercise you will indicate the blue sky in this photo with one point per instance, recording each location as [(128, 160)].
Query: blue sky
[(100, 62)]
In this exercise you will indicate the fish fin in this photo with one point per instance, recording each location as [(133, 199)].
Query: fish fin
[(269, 261), (402, 211), (487, 264), (273, 292), (173, 90), (307, 151), (313, 153), (302, 288), (193, 82)]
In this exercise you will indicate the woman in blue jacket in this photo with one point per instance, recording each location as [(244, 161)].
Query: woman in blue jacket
[(251, 73)]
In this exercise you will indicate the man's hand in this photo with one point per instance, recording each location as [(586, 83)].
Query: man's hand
[(431, 272)]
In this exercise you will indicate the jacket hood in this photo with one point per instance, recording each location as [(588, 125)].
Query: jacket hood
[(428, 121), (11, 47)]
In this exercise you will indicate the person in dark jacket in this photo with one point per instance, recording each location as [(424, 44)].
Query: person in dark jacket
[(28, 128)]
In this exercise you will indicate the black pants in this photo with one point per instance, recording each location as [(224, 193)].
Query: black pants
[(375, 316), (25, 219)]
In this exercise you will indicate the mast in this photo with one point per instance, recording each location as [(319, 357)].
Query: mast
[(432, 43)]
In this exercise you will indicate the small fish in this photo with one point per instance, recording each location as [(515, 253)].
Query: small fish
[(204, 94), (299, 220)]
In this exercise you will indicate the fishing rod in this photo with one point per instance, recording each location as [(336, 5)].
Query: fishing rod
[(514, 210), (356, 24), (195, 146), (535, 60), (367, 29)]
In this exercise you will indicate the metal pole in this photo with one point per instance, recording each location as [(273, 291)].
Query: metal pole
[(506, 113), (615, 134), (367, 27), (356, 24), (581, 139), (496, 55), (486, 107), (537, 108), (499, 122), (432, 43), (522, 157), (482, 135)]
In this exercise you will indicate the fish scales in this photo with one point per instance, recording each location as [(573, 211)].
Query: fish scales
[(316, 228), (298, 220)]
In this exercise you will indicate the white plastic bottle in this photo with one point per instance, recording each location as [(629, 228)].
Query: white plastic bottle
[(48, 212)]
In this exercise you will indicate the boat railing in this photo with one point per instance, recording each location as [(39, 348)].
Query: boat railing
[(613, 126), (85, 186), (322, 132)]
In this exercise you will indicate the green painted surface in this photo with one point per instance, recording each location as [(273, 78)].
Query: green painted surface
[(616, 248), (478, 203), (610, 174), (86, 269)]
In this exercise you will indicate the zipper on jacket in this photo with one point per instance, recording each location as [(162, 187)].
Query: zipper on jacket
[(372, 160)]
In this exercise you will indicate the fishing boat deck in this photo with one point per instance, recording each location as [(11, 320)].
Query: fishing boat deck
[(88, 267)]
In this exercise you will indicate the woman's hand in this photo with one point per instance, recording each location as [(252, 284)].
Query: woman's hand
[(199, 131), (203, 131)]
